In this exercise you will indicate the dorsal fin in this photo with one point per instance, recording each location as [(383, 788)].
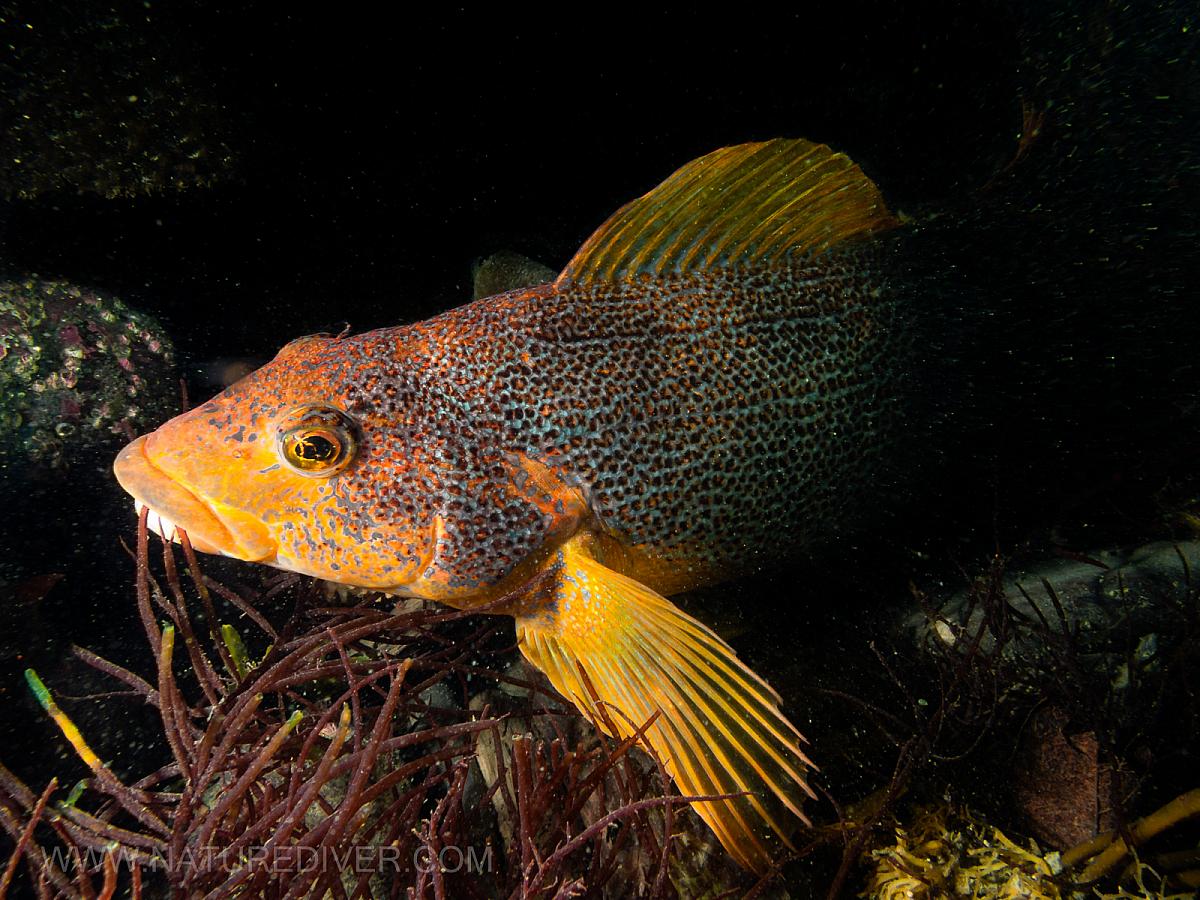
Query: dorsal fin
[(753, 203)]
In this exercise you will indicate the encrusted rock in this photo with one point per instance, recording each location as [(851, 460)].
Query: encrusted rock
[(1085, 597), (79, 370)]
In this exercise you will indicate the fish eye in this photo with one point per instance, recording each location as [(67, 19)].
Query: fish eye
[(318, 441), (313, 451)]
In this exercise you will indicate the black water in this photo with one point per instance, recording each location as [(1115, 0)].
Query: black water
[(372, 158)]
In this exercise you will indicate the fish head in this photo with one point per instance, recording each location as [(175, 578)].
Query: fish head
[(355, 460), (289, 468)]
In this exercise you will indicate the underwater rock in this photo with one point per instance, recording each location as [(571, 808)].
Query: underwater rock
[(92, 106), (1082, 665), (1083, 598), (79, 370), (1067, 793), (507, 271)]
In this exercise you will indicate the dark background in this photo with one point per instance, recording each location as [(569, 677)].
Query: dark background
[(347, 167), (377, 156)]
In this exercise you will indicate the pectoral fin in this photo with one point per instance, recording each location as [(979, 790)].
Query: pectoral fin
[(719, 729)]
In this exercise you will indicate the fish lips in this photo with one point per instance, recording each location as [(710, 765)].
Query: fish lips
[(171, 505)]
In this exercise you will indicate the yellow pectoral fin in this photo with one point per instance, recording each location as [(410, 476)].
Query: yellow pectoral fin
[(719, 729)]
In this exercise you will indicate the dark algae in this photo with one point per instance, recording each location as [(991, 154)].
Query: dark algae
[(862, 332)]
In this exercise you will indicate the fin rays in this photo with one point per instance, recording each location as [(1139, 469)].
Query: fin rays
[(727, 748), (719, 729), (729, 680), (690, 766), (751, 203), (698, 690), (702, 642)]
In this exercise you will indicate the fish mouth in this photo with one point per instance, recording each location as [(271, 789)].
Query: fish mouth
[(172, 508)]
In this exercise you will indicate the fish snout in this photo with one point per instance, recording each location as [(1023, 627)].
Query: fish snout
[(172, 506)]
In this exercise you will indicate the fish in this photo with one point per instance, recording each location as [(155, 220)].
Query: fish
[(504, 271), (704, 390)]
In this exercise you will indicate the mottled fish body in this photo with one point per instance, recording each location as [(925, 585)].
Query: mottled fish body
[(709, 385)]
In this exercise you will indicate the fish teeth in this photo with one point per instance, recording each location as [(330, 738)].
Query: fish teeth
[(160, 525)]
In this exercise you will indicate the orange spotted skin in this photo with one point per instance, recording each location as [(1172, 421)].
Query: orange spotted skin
[(711, 384), (696, 426)]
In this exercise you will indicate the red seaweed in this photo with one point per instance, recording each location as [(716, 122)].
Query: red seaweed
[(330, 764)]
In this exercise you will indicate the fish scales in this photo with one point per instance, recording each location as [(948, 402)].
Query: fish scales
[(701, 415), (710, 385)]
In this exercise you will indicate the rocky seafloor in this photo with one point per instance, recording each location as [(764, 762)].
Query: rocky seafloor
[(999, 738)]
